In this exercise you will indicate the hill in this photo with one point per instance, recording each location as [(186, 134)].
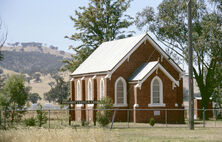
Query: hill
[(39, 64), (32, 59)]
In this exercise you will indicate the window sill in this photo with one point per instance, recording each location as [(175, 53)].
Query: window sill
[(156, 105), (90, 105), (120, 105), (79, 105)]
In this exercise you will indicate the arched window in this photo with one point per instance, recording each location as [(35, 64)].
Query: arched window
[(89, 89), (101, 88), (120, 92), (78, 91), (156, 92)]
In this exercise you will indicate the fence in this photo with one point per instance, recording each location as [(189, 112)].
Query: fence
[(120, 118)]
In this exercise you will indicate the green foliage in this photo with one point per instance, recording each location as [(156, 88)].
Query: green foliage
[(84, 123), (30, 121), (152, 122), (58, 93), (103, 116), (41, 116), (170, 28), (3, 37), (99, 22), (34, 97), (14, 96)]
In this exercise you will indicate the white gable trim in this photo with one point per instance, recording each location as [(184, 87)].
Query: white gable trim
[(155, 45), (128, 55), (158, 66), (164, 54)]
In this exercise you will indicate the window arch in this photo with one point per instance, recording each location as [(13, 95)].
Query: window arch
[(156, 88), (90, 90), (101, 88), (120, 92), (78, 91)]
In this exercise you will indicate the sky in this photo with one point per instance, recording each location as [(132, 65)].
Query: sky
[(48, 21)]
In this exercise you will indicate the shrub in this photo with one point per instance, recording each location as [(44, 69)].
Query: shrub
[(41, 116), (152, 122), (30, 121), (85, 123), (103, 117)]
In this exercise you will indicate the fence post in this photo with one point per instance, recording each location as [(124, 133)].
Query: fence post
[(166, 117), (215, 111), (203, 117), (5, 119), (128, 117), (88, 115), (94, 114), (49, 119), (114, 115), (0, 119)]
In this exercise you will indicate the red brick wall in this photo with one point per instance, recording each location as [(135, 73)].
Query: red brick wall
[(197, 105), (143, 54)]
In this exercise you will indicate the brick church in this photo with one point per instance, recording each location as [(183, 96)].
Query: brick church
[(135, 73)]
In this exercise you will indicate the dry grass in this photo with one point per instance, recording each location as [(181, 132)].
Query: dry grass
[(103, 135), (57, 135)]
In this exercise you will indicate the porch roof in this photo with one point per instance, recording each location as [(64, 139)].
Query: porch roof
[(142, 71), (146, 69)]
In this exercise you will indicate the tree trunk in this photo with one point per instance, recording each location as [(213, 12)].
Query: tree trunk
[(205, 105)]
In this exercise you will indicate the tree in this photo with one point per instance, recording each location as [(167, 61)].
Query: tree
[(103, 116), (3, 37), (14, 96), (99, 22), (217, 94), (34, 97), (168, 26), (58, 93)]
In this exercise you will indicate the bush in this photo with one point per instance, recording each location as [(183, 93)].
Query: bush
[(41, 116), (30, 121), (85, 123), (103, 117), (152, 122)]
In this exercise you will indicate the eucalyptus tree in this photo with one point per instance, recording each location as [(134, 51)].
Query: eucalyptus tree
[(169, 26)]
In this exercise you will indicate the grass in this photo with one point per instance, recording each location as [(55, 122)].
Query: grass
[(96, 134)]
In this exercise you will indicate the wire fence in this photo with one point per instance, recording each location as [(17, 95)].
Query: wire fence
[(120, 118)]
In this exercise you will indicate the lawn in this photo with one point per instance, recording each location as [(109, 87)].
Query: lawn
[(84, 134)]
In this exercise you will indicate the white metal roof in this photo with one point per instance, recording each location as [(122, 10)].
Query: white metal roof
[(141, 72), (110, 55), (107, 55)]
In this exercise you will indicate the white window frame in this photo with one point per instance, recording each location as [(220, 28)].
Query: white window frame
[(124, 93), (102, 91), (78, 90), (161, 104), (90, 82), (79, 93), (90, 91)]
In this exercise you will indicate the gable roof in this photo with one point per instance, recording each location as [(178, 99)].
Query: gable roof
[(146, 69), (142, 70), (110, 55)]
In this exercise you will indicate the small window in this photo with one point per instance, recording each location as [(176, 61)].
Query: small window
[(156, 92), (90, 90), (78, 90), (101, 88), (120, 92)]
